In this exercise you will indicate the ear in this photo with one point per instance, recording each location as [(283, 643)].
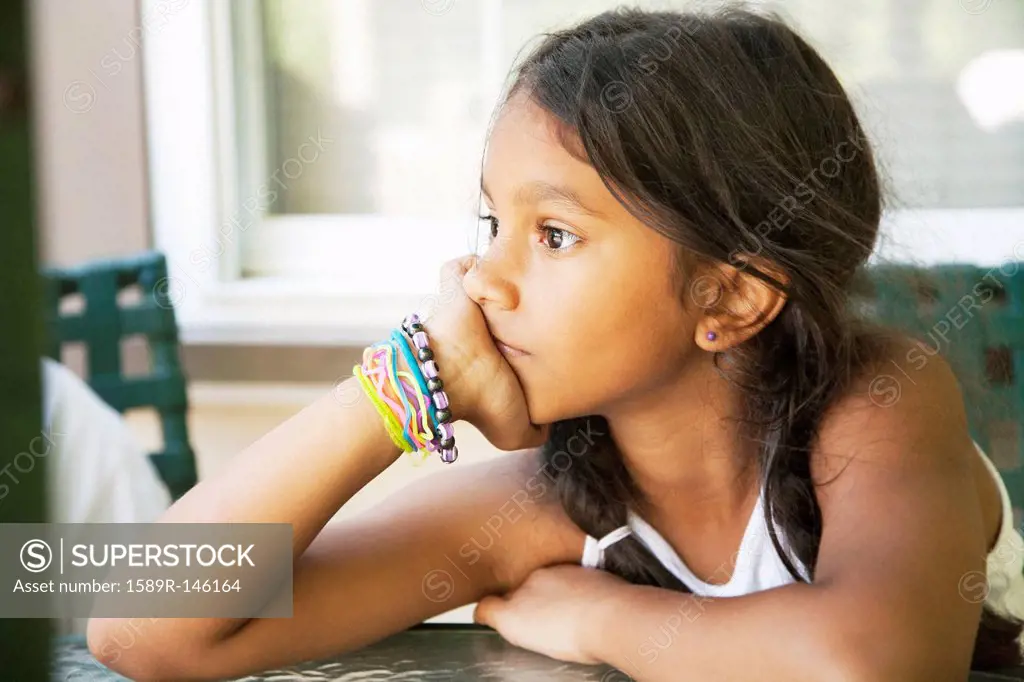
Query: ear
[(735, 303)]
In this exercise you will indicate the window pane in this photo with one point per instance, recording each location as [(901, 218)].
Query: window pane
[(401, 96), (393, 90), (902, 62)]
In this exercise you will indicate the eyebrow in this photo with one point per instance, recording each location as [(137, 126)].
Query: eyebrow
[(539, 191)]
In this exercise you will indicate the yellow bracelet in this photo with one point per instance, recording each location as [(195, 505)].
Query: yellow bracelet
[(391, 424), (390, 388)]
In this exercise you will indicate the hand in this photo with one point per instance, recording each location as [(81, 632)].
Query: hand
[(481, 386), (552, 612)]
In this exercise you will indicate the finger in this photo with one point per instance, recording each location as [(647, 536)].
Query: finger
[(452, 269), (450, 286), (486, 611), (457, 267)]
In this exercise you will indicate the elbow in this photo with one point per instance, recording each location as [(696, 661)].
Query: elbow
[(122, 645), (890, 664), (861, 670), (116, 644), (858, 669)]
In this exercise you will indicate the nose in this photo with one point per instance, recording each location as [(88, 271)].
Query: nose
[(489, 284)]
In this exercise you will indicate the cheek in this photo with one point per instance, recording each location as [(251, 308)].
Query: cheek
[(600, 351), (641, 348)]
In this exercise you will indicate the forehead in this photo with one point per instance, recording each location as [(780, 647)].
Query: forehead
[(524, 146)]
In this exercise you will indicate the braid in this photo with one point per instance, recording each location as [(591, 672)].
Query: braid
[(596, 492)]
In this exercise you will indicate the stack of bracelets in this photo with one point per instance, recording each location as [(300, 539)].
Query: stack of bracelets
[(413, 405)]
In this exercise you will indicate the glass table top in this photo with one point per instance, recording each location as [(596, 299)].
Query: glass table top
[(429, 652)]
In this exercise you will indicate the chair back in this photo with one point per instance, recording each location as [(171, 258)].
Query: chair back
[(974, 317), (102, 325)]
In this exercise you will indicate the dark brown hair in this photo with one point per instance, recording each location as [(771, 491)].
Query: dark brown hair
[(729, 134)]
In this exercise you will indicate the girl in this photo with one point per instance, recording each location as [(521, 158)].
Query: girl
[(659, 332)]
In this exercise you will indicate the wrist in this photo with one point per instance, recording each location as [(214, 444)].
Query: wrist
[(451, 370), (401, 376), (600, 618), (350, 395), (359, 391)]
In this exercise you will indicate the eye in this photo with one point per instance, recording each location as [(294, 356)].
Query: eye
[(554, 239), (562, 238), (493, 231)]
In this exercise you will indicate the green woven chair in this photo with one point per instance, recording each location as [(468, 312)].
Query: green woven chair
[(102, 325), (974, 316)]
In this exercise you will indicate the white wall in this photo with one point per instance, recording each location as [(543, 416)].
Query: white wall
[(90, 159)]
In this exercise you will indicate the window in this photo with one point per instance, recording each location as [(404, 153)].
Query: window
[(914, 68), (366, 128), (295, 143)]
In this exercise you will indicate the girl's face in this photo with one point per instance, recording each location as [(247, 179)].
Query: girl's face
[(571, 278)]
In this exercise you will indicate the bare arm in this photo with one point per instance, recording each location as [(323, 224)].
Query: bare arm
[(358, 580)]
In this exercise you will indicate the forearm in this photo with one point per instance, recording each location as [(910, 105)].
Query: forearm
[(299, 473), (655, 634)]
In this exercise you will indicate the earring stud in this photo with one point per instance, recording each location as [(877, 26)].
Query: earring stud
[(712, 336)]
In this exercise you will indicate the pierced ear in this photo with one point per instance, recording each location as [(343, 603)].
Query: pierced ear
[(737, 304)]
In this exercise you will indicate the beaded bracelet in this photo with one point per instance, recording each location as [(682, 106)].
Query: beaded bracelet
[(446, 442)]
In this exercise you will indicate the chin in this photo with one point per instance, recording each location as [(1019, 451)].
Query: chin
[(541, 412), (551, 411)]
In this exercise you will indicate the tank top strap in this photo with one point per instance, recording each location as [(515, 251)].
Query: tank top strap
[(593, 549)]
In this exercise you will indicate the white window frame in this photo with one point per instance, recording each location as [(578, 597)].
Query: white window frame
[(196, 200), (278, 244), (195, 190)]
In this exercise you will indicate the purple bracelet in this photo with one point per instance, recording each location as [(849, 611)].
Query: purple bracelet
[(442, 413)]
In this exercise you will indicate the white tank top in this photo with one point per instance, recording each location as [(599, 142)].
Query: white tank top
[(758, 566)]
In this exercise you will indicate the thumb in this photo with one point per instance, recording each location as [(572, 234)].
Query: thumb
[(487, 610)]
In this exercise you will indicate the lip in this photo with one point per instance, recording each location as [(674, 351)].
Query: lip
[(507, 350)]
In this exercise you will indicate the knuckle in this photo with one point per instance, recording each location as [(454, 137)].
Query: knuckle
[(450, 268), (456, 267)]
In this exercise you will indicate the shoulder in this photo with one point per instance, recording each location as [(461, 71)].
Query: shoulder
[(900, 419), (901, 523), (904, 396), (522, 525)]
